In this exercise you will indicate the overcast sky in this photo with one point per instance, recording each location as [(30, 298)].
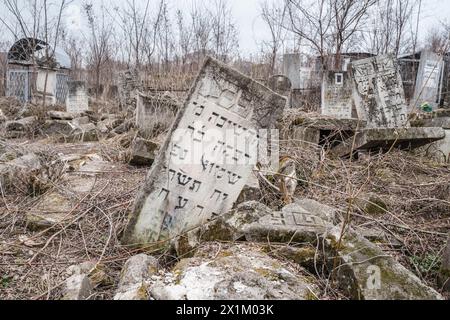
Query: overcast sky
[(252, 30)]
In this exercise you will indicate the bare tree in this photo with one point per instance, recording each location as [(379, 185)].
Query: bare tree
[(223, 29), (273, 15), (327, 25), (391, 20), (99, 43)]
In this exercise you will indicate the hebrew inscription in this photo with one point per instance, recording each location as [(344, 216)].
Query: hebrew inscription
[(379, 94), (207, 157)]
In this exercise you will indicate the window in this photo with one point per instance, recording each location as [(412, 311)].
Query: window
[(339, 79)]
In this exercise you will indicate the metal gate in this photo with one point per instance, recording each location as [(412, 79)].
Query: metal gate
[(18, 85), (61, 87)]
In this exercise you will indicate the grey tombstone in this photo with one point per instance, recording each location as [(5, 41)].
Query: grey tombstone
[(378, 93), (200, 170), (428, 80), (337, 99), (77, 98), (291, 69)]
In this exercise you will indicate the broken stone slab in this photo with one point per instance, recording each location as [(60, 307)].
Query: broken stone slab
[(186, 187), (52, 209), (60, 115), (143, 152), (294, 224), (51, 127), (365, 272), (83, 133), (78, 287), (229, 227), (251, 191), (374, 140), (132, 283), (444, 276), (80, 121), (22, 125), (233, 273), (109, 124), (95, 272), (252, 221)]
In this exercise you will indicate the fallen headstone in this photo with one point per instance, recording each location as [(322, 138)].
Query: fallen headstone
[(388, 139), (378, 92), (236, 273), (200, 171), (302, 221), (365, 272)]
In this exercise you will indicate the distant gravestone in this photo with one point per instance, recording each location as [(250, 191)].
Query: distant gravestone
[(77, 98), (428, 80), (378, 93), (208, 156), (291, 69), (337, 95)]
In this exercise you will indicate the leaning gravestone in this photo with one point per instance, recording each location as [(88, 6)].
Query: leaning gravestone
[(337, 99), (428, 80), (208, 156), (379, 94)]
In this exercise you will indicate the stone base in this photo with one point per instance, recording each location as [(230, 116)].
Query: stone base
[(375, 140)]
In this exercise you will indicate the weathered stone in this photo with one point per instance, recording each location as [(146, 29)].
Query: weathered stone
[(379, 94), (187, 187), (132, 284), (229, 227), (294, 224), (52, 209), (337, 95), (78, 287), (444, 276), (77, 98), (326, 213), (365, 272), (186, 245), (374, 140), (306, 256), (143, 152), (22, 125), (83, 133), (252, 221), (51, 127), (371, 204), (96, 273), (80, 121), (291, 69), (3, 118), (251, 191), (109, 124), (439, 150), (58, 115), (235, 273), (428, 80)]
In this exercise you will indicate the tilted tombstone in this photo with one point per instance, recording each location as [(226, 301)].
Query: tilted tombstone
[(208, 156), (77, 98), (378, 92), (428, 80), (337, 95)]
